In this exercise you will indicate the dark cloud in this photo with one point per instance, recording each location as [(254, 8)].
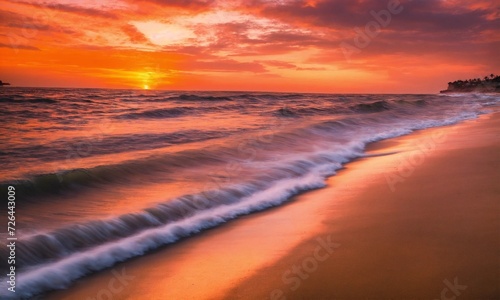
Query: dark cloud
[(134, 35), (186, 4), (423, 16), (84, 11), (350, 13), (15, 20), (75, 9), (16, 46)]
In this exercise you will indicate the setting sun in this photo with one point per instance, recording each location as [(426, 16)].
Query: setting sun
[(146, 87), (307, 46)]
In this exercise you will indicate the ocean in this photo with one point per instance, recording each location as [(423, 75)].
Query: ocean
[(102, 176)]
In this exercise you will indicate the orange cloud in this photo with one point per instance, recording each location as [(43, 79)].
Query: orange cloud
[(248, 45)]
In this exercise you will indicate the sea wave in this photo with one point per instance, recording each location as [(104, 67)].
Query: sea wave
[(74, 179), (62, 256), (53, 151), (342, 130), (376, 106), (59, 243), (29, 100), (158, 113), (277, 156), (190, 97), (52, 260)]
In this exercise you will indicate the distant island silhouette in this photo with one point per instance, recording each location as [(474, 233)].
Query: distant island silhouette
[(489, 84), (4, 83)]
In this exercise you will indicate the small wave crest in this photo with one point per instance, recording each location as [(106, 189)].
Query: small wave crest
[(158, 113), (285, 112), (73, 179), (377, 106), (191, 97), (29, 100)]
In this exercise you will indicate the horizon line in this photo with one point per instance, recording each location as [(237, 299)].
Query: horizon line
[(216, 91)]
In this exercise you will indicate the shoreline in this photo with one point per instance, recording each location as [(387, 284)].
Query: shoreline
[(412, 241), (224, 262)]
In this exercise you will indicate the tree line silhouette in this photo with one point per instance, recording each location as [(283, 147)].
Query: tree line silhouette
[(489, 83)]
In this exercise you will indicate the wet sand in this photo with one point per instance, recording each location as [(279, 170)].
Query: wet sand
[(417, 219)]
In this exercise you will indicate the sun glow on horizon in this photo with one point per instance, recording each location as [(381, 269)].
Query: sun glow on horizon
[(227, 45)]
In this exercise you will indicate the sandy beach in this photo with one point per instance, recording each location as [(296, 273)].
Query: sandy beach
[(418, 218)]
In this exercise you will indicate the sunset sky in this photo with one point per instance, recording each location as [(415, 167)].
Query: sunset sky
[(336, 46)]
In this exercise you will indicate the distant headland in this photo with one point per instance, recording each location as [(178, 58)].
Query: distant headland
[(489, 84), (4, 83)]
